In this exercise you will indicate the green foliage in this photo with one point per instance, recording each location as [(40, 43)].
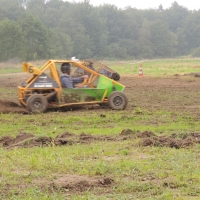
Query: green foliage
[(11, 40), (196, 52), (60, 29), (12, 9), (163, 39), (35, 39)]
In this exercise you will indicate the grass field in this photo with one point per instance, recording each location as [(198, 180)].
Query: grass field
[(157, 67), (105, 156)]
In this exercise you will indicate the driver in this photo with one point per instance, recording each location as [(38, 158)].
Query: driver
[(66, 80)]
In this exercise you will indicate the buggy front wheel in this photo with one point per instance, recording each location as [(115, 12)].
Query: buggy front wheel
[(117, 100)]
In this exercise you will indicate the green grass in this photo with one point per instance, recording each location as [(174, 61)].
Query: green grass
[(141, 173), (89, 122), (16, 66), (156, 67), (6, 71), (138, 172)]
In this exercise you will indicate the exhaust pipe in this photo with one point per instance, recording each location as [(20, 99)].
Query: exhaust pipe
[(49, 96)]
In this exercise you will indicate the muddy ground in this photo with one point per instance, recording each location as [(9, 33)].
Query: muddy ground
[(178, 92)]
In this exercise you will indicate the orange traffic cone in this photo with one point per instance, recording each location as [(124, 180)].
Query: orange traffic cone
[(140, 71)]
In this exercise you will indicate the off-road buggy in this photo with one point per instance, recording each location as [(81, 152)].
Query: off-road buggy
[(44, 90)]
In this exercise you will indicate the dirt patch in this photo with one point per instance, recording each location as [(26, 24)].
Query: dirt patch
[(173, 141), (9, 141), (68, 183), (81, 183), (196, 66), (11, 107), (25, 140), (193, 74), (146, 139)]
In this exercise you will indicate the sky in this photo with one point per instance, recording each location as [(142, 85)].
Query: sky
[(146, 4)]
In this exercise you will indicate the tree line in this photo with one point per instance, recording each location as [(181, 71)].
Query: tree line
[(57, 29)]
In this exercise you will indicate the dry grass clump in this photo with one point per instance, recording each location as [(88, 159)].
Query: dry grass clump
[(10, 64)]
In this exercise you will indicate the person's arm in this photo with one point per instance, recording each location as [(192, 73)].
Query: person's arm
[(66, 82), (77, 80), (80, 82)]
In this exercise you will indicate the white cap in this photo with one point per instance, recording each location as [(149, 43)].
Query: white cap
[(74, 58)]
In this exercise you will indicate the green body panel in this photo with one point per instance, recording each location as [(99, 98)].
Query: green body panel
[(104, 87), (109, 84), (78, 95)]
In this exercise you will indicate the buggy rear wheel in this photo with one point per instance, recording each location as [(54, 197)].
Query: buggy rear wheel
[(117, 100), (37, 103)]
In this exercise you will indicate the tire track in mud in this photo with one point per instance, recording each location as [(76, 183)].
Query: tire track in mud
[(146, 138)]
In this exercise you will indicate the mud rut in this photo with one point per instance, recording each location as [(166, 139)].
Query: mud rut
[(25, 140), (141, 92)]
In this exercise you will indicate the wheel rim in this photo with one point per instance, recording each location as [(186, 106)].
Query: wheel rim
[(37, 104), (118, 101)]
